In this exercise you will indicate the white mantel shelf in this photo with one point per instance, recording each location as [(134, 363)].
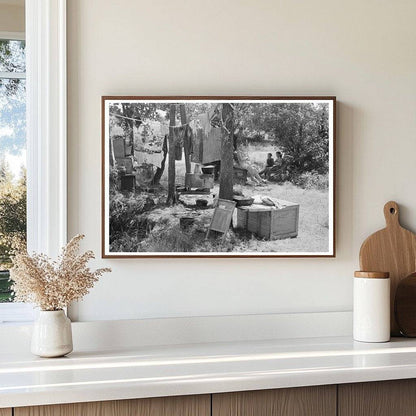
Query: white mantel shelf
[(152, 371)]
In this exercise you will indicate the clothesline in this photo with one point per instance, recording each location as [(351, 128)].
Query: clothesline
[(127, 118), (180, 125)]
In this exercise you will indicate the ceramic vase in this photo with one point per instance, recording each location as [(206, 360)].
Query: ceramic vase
[(52, 334)]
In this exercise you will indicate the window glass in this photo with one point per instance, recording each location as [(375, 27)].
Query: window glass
[(12, 157)]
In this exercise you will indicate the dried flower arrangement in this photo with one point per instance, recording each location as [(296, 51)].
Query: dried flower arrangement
[(53, 285)]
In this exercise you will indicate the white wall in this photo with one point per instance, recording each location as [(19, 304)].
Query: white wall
[(12, 18), (361, 51)]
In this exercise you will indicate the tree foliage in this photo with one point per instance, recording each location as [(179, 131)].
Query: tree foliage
[(12, 97), (299, 130), (12, 213), (12, 56), (130, 115)]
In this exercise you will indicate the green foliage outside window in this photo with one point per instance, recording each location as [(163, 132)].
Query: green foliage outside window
[(12, 151), (12, 223)]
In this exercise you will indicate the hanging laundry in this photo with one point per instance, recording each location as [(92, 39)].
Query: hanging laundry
[(149, 136), (118, 147), (148, 142), (207, 140), (212, 145), (196, 154), (154, 158), (178, 132), (204, 122), (188, 141)]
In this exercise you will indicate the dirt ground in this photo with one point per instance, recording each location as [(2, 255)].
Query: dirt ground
[(313, 219), (166, 234)]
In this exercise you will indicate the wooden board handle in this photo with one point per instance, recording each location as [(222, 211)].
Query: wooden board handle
[(391, 214)]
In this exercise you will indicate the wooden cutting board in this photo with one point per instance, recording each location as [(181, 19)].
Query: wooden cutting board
[(405, 306), (393, 250)]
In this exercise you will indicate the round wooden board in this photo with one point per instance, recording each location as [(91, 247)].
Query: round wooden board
[(405, 306)]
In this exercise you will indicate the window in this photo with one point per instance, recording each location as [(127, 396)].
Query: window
[(45, 89), (12, 153)]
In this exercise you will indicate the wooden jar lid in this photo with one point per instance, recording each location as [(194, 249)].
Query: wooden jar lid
[(372, 275)]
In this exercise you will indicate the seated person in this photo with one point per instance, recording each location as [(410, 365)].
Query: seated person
[(269, 165), (252, 172), (269, 160), (278, 169), (279, 159)]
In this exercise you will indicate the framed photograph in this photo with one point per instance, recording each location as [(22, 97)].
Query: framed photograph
[(218, 176)]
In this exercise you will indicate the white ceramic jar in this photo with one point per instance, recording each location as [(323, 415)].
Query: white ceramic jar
[(371, 305), (52, 334)]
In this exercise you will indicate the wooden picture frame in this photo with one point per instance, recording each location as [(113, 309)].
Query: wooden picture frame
[(147, 211)]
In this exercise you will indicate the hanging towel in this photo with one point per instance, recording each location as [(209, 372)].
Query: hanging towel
[(212, 145), (178, 133), (118, 146), (154, 158)]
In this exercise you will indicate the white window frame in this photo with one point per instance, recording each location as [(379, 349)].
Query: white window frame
[(46, 127)]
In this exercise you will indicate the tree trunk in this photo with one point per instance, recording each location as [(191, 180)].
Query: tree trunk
[(186, 138), (171, 169), (227, 147)]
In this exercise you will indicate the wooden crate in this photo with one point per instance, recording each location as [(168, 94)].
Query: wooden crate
[(268, 222), (199, 180)]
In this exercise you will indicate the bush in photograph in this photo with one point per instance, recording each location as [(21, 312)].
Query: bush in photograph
[(114, 182), (170, 240), (125, 242), (302, 133), (126, 214), (312, 180), (299, 130)]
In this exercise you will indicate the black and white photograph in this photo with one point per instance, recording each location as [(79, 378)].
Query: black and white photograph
[(218, 176)]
